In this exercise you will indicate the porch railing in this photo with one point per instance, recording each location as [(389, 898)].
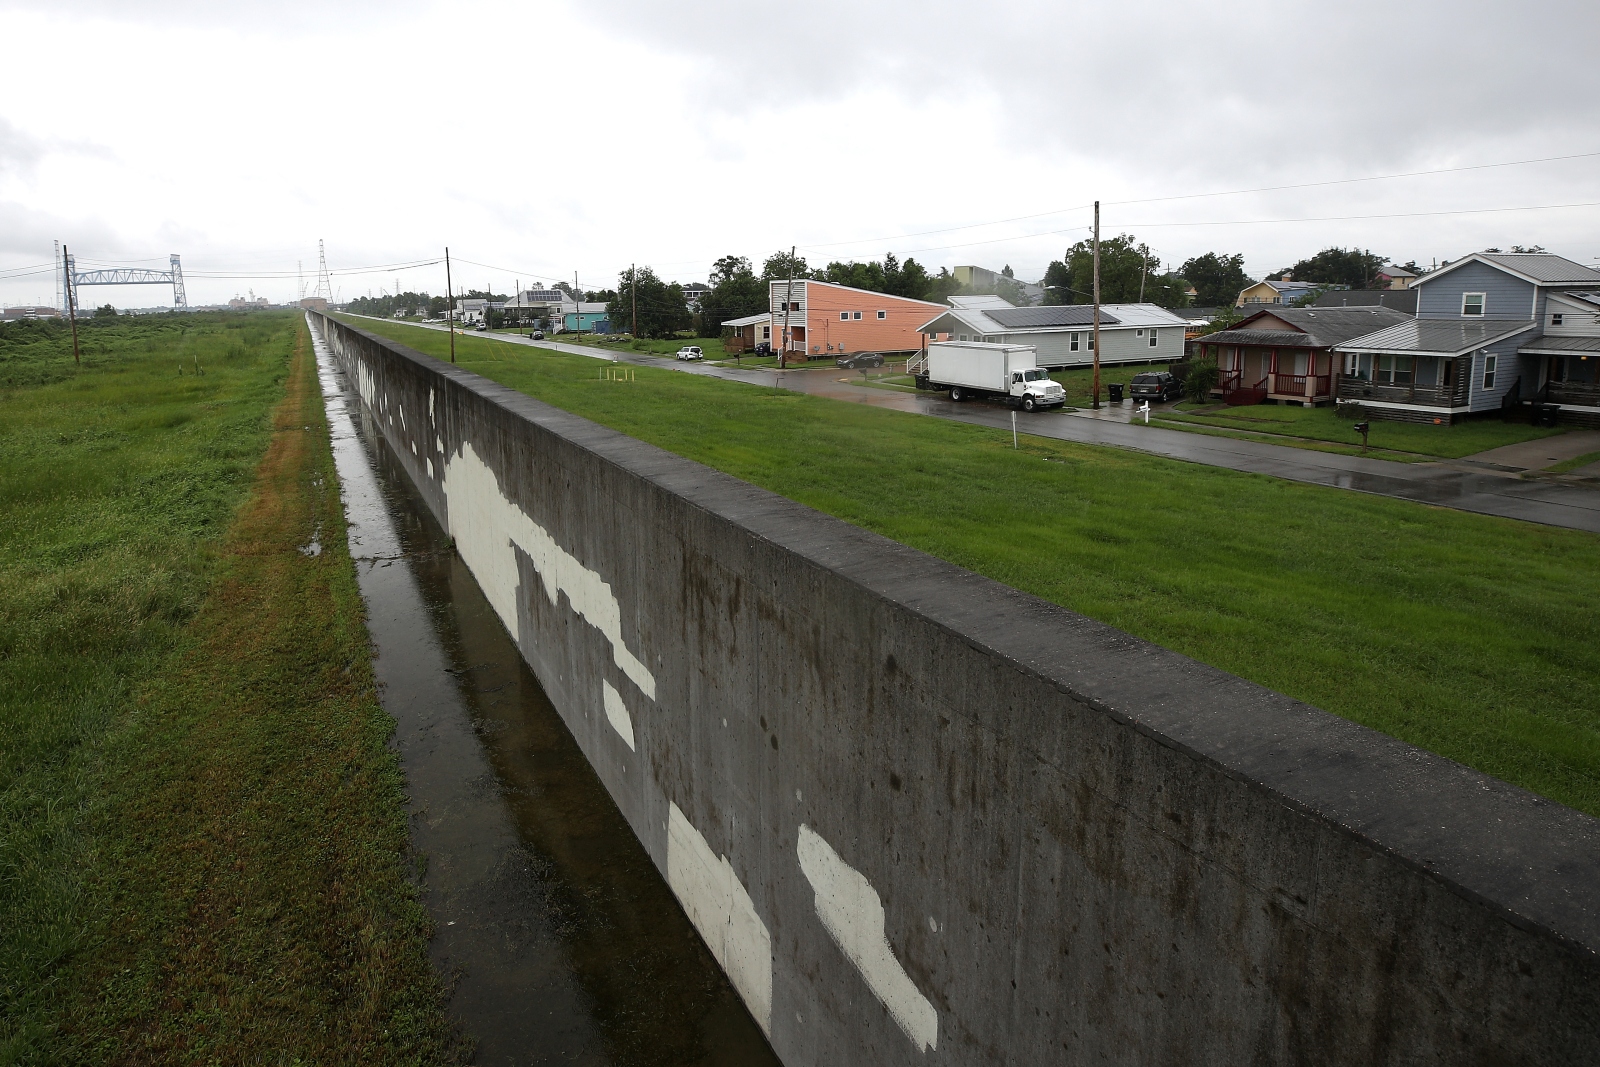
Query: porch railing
[(1356, 389), (1573, 393), (1306, 385)]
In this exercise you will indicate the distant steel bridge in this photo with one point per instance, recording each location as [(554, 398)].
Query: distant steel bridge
[(72, 278)]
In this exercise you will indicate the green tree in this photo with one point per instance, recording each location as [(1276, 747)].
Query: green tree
[(105, 311), (1126, 267), (661, 308), (735, 293), (776, 267), (1352, 267), (1218, 278)]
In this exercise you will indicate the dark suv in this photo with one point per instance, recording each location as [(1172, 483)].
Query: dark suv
[(860, 360), (1159, 386)]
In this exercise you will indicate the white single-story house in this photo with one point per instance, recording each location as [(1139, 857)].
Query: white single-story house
[(1063, 334)]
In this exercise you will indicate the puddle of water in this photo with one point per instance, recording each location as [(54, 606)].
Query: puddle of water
[(564, 943)]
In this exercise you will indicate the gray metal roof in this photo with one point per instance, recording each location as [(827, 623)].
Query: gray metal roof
[(1058, 315), (1395, 299), (1558, 345), (1544, 267), (1583, 298), (1316, 327), (1439, 337), (1274, 338), (749, 320)]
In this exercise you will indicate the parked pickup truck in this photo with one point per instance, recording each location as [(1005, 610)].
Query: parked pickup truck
[(973, 369)]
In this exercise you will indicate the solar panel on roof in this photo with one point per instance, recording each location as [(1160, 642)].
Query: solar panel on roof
[(1060, 315)]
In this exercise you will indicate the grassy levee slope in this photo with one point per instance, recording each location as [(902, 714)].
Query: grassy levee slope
[(201, 833), (1471, 636)]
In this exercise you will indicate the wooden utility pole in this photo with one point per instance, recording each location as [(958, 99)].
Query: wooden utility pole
[(1096, 334), (788, 302), (633, 294), (72, 311), (1144, 270), (449, 304)]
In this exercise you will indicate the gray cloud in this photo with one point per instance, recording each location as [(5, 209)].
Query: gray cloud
[(20, 152), (270, 17), (1250, 89)]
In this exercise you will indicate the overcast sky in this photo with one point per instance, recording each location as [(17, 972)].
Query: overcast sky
[(539, 141)]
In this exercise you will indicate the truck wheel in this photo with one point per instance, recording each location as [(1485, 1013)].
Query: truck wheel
[(1027, 403), (956, 394)]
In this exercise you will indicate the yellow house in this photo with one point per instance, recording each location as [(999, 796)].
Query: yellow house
[(1275, 292)]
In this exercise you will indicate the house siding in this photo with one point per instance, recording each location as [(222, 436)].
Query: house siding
[(1507, 370), (826, 334), (1117, 346), (1505, 296)]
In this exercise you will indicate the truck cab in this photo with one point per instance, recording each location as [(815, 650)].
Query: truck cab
[(1034, 388)]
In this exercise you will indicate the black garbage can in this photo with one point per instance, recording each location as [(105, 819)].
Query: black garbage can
[(1116, 392), (1545, 414)]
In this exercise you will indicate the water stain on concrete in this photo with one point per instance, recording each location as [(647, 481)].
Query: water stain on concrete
[(563, 942)]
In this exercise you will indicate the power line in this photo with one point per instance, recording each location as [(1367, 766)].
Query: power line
[(1224, 192)]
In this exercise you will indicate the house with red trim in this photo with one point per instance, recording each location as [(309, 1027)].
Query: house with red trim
[(824, 320), (1286, 354)]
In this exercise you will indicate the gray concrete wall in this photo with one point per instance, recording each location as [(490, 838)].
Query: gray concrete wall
[(922, 817)]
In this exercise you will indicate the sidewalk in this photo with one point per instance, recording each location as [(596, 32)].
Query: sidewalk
[(1484, 492)]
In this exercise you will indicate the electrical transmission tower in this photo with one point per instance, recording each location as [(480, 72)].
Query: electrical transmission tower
[(324, 282)]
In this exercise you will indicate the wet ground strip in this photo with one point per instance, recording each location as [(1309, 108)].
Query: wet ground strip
[(561, 940)]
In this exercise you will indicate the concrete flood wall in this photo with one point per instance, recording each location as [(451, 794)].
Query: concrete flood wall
[(919, 816)]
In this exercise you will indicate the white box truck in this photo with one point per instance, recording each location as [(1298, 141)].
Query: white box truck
[(975, 369)]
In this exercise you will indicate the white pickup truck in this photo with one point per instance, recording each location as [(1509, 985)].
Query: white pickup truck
[(972, 369)]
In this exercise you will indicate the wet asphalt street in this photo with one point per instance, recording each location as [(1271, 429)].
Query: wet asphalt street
[(1456, 485)]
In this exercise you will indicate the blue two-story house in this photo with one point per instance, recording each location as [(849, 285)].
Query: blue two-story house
[(1492, 329)]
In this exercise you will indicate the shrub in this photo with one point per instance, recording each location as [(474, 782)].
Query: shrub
[(1202, 378)]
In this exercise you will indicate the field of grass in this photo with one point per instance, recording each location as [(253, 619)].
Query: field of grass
[(1325, 424), (1471, 636), (1079, 382), (202, 835)]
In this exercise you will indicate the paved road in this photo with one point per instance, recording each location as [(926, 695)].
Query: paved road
[(1459, 486)]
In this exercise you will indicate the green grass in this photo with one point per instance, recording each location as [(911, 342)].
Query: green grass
[(1079, 382), (1469, 635), (1324, 424), (1573, 464), (201, 833)]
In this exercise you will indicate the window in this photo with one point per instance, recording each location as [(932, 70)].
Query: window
[(795, 306), (964, 337), (1153, 337), (1091, 342), (844, 316), (1072, 342), (856, 315), (1555, 320), (1472, 303), (1393, 370), (1141, 333), (1489, 362), (766, 333), (883, 314)]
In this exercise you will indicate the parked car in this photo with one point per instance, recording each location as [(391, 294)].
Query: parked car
[(538, 335), (860, 360), (1159, 386), (763, 348), (481, 326), (690, 352)]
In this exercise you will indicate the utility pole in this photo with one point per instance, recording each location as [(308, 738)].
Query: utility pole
[(1143, 271), (449, 304), (72, 310), (1096, 334), (788, 302), (633, 294)]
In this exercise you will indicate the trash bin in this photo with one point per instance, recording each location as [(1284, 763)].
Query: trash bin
[(1545, 414), (1116, 392)]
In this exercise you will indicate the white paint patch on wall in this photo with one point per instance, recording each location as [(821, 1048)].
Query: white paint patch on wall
[(852, 912), (486, 525), (723, 912), (617, 714)]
